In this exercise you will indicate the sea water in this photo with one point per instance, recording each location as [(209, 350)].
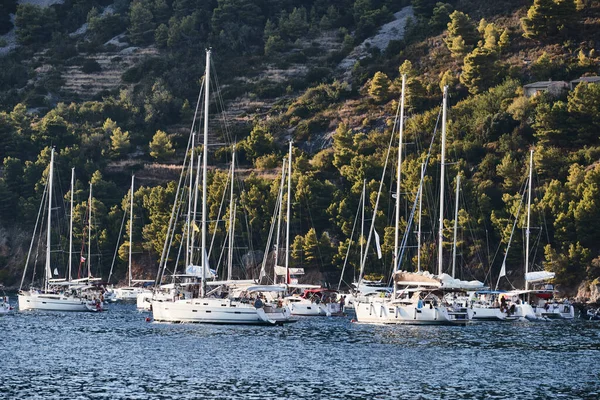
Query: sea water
[(119, 355)]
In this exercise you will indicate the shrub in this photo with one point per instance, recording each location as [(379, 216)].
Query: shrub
[(90, 66)]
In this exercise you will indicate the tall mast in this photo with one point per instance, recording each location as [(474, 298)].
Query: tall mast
[(279, 213), (362, 221), (231, 219), (71, 225), (455, 226), (130, 229), (399, 170), (287, 211), (442, 181), (192, 222), (89, 260), (48, 236), (528, 219), (420, 210), (189, 230), (204, 174)]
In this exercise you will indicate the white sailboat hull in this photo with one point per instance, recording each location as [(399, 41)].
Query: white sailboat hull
[(492, 314), (56, 302), (308, 309), (144, 300), (378, 312), (525, 311), (129, 293), (555, 311), (278, 314), (209, 311)]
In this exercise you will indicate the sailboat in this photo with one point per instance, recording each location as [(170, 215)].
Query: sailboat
[(314, 299), (417, 297), (56, 294), (536, 302), (204, 309), (131, 291)]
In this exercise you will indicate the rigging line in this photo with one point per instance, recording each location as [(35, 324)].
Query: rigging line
[(510, 238), (219, 98), (171, 226), (220, 259), (99, 253), (274, 220), (540, 196), (409, 222), (177, 259), (522, 193), (372, 228), (263, 271), (117, 247), (40, 239), (179, 203), (358, 211), (312, 224), (214, 235), (246, 220), (536, 246), (471, 230), (33, 235)]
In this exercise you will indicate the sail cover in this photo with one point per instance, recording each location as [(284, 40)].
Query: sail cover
[(280, 271), (196, 270), (539, 276)]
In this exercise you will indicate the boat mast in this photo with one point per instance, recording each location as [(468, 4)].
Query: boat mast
[(279, 220), (420, 209), (189, 231), (193, 216), (71, 225), (399, 170), (130, 228), (231, 220), (396, 263), (362, 222), (287, 211), (442, 179), (48, 236), (528, 219), (204, 174), (455, 226), (89, 260)]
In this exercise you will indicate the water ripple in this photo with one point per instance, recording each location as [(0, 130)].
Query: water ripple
[(118, 354)]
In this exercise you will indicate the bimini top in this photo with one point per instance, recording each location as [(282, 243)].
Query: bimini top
[(539, 276), (320, 290), (265, 288), (490, 291), (443, 281)]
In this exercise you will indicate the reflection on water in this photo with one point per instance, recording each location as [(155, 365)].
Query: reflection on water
[(118, 355)]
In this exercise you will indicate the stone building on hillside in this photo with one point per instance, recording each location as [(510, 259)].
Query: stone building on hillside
[(555, 88), (587, 79)]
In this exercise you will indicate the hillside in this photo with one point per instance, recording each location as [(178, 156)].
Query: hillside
[(113, 86)]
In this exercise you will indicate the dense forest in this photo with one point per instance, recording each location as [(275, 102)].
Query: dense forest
[(113, 86)]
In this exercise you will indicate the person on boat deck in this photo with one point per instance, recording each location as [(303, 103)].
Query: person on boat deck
[(258, 303), (503, 306), (342, 302)]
